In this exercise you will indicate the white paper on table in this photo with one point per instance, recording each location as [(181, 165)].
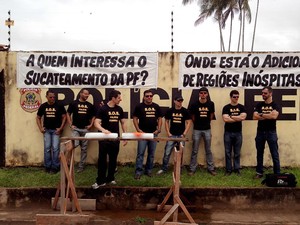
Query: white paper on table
[(101, 135), (137, 135)]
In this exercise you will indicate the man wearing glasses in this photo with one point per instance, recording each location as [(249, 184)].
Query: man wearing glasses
[(177, 123), (147, 118), (203, 111), (233, 114), (266, 113), (52, 124)]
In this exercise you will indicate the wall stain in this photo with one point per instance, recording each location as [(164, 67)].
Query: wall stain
[(19, 157)]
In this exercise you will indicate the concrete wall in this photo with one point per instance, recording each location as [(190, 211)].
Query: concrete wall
[(24, 142)]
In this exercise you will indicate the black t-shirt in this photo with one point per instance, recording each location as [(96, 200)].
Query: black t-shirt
[(233, 110), (52, 115), (82, 112), (177, 119), (148, 116), (110, 117), (202, 113), (266, 125)]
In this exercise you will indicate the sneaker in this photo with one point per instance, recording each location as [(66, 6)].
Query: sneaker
[(212, 172), (113, 182), (160, 172), (258, 176), (96, 186)]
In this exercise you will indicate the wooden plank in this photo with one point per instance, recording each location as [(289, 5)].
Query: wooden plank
[(160, 208), (72, 187), (171, 211)]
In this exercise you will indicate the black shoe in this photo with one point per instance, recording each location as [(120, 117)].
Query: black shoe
[(237, 172), (47, 170), (212, 172), (148, 174), (227, 173), (137, 176)]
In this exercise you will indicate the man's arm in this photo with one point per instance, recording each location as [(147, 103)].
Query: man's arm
[(159, 124), (97, 124), (124, 129), (63, 122), (91, 123), (167, 127), (135, 121), (188, 124), (69, 120), (267, 116), (39, 123)]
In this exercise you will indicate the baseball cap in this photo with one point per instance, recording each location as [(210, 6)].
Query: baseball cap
[(203, 89), (178, 97)]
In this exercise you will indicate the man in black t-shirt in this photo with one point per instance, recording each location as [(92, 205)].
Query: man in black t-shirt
[(203, 111), (83, 116), (147, 118), (233, 115), (107, 121), (266, 113), (51, 119), (177, 123)]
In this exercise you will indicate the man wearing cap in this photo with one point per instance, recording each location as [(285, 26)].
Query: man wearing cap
[(233, 114), (147, 118), (203, 111), (177, 124)]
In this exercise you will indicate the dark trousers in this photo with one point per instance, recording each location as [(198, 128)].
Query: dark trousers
[(107, 166), (271, 138)]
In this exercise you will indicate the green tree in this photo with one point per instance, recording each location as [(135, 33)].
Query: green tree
[(221, 10)]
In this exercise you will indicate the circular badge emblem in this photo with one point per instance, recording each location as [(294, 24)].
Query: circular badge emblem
[(30, 99)]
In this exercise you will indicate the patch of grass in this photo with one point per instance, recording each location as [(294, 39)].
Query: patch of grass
[(36, 177)]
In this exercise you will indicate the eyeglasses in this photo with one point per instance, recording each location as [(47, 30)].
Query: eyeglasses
[(148, 96), (180, 100), (235, 96), (203, 93)]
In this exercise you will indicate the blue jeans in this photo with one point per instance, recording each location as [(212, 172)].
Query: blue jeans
[(168, 151), (233, 142), (142, 145), (51, 150), (271, 138), (83, 144), (197, 134)]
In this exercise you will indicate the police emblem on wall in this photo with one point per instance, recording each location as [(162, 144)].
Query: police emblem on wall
[(30, 99)]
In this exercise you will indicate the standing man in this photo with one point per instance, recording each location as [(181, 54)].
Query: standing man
[(177, 123), (107, 121), (266, 113), (51, 119), (203, 111), (81, 122), (147, 118), (233, 115)]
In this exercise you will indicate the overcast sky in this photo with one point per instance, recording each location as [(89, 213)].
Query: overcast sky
[(139, 26)]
